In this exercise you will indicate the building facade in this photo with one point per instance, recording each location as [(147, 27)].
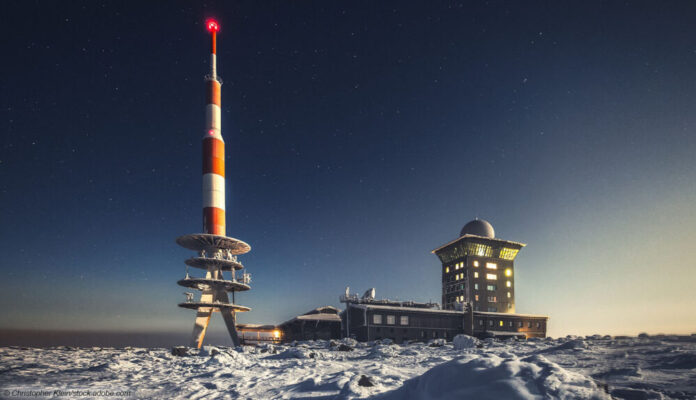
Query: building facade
[(366, 320), (478, 268)]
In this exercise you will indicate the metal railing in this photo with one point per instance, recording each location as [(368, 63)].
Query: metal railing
[(209, 77)]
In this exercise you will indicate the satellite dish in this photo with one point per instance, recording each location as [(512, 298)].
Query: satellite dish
[(369, 294)]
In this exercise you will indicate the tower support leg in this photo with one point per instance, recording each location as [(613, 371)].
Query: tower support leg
[(200, 326), (230, 318)]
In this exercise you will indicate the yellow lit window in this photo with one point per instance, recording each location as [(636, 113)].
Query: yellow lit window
[(475, 274), (508, 284), (447, 270), (501, 323), (476, 297), (491, 276), (508, 253), (491, 265), (508, 272), (475, 263), (509, 295)]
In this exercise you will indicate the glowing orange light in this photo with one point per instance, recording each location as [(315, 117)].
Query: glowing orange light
[(212, 25)]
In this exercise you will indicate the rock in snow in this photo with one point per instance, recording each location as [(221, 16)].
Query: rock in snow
[(651, 367), (464, 342)]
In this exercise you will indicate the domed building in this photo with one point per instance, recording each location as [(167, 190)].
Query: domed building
[(478, 227), (478, 269)]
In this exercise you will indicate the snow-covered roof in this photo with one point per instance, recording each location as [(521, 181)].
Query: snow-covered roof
[(469, 236), (395, 308), (256, 327), (323, 310), (501, 314), (318, 317), (318, 314)]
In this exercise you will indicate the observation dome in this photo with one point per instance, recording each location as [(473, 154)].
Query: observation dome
[(478, 227)]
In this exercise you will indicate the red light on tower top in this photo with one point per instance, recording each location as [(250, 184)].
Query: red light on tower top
[(212, 26)]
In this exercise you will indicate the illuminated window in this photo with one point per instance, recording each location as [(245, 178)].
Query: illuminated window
[(476, 249), (508, 272), (491, 265), (475, 263), (447, 270), (476, 297), (490, 322), (403, 320), (491, 287), (507, 253), (508, 284), (509, 295), (475, 274), (492, 299), (491, 276), (377, 319), (391, 320), (475, 286), (501, 323)]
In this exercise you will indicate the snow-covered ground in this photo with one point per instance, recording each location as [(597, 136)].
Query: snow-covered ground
[(583, 368)]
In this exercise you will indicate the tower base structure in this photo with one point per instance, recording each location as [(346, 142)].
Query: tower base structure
[(215, 254)]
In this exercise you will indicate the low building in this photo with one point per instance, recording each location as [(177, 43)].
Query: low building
[(320, 323), (366, 319)]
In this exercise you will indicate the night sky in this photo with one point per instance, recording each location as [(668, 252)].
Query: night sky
[(359, 137)]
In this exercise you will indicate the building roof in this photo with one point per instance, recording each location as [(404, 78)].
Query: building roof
[(326, 313), (469, 236), (318, 317), (478, 227), (397, 308), (500, 314), (256, 327)]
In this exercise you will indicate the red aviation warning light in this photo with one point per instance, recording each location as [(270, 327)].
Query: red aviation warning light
[(212, 25)]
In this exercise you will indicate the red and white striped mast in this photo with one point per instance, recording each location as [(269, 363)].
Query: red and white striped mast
[(217, 253), (213, 148)]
